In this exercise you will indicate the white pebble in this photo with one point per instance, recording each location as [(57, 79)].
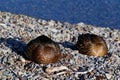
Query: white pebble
[(109, 76), (22, 59)]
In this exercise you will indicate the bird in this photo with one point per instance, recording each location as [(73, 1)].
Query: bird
[(43, 50), (91, 45)]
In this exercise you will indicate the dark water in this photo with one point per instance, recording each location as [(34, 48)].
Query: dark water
[(104, 13)]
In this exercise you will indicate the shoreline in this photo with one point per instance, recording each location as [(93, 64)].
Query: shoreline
[(17, 30)]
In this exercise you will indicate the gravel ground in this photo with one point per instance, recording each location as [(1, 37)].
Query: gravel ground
[(17, 30)]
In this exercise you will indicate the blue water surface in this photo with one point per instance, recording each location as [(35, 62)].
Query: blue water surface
[(105, 13)]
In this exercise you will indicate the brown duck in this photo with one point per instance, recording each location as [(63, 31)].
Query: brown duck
[(43, 50), (92, 45)]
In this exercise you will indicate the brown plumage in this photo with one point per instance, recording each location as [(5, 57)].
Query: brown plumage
[(43, 50), (92, 45)]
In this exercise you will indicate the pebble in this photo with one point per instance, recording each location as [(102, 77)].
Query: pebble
[(53, 30), (109, 76), (22, 59), (3, 25), (81, 24), (17, 30)]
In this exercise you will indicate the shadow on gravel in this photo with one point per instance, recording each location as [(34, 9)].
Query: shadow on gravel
[(67, 44), (15, 44), (18, 46)]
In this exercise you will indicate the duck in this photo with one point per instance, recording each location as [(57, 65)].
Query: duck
[(91, 45), (43, 50)]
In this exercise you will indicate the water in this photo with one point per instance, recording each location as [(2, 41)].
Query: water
[(103, 13)]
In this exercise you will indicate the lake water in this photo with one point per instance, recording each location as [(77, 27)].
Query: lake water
[(105, 13)]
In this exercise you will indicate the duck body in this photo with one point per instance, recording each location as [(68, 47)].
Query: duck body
[(43, 50), (91, 45)]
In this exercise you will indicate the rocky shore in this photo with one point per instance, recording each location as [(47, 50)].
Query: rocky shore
[(17, 30)]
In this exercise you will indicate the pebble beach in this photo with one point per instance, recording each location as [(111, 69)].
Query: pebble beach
[(17, 30)]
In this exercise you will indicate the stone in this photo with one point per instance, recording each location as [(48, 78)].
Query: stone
[(108, 76)]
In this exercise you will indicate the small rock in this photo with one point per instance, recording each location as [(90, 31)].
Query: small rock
[(109, 76), (100, 77), (3, 25), (53, 30), (81, 24), (20, 73), (21, 59), (51, 23)]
